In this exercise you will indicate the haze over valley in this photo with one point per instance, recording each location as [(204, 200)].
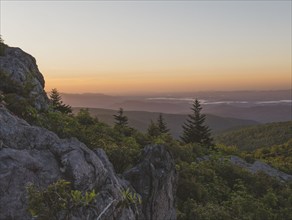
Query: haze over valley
[(257, 106)]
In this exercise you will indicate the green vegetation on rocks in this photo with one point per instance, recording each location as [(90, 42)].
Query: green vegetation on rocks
[(58, 201), (258, 136), (209, 186)]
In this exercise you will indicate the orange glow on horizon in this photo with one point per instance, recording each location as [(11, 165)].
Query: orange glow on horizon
[(142, 83)]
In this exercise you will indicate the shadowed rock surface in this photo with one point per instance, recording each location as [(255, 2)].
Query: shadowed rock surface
[(22, 69), (35, 155), (155, 179)]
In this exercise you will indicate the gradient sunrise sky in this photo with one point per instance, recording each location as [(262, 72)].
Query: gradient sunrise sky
[(119, 47)]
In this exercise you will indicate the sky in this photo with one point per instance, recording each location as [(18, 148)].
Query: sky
[(132, 47)]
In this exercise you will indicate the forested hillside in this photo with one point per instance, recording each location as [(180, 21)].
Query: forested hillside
[(258, 136), (140, 120), (208, 187)]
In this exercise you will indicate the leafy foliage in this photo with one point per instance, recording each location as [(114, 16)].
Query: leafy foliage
[(57, 201), (130, 198), (208, 187), (278, 156), (115, 141), (159, 128), (258, 136), (216, 189), (153, 130), (83, 117)]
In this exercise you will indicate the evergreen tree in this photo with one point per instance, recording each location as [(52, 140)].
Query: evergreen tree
[(158, 128), (153, 130), (58, 104), (121, 119), (161, 124), (194, 129)]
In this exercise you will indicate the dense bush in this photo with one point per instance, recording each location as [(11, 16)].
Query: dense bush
[(209, 187), (278, 156), (216, 189), (258, 136), (122, 145), (57, 201)]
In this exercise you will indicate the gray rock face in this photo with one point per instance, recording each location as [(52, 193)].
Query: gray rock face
[(22, 69), (259, 166), (155, 179), (30, 154), (35, 155)]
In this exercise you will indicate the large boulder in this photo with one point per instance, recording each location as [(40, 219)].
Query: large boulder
[(155, 179), (21, 69)]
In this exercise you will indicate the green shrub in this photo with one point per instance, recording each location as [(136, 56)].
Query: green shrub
[(130, 198), (57, 201)]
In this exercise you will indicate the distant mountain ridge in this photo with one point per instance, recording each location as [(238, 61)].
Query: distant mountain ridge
[(260, 106)]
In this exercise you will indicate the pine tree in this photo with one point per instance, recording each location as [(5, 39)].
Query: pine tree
[(153, 130), (121, 119), (158, 128), (194, 129), (161, 124), (58, 104)]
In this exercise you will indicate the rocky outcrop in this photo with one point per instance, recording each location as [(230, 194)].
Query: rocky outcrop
[(30, 154), (259, 166), (21, 68), (35, 155), (155, 179)]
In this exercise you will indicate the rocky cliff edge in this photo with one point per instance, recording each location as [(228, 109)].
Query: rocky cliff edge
[(31, 154)]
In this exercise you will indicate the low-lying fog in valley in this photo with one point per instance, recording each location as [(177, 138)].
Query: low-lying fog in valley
[(259, 106)]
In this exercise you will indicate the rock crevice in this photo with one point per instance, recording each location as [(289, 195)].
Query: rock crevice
[(155, 179)]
